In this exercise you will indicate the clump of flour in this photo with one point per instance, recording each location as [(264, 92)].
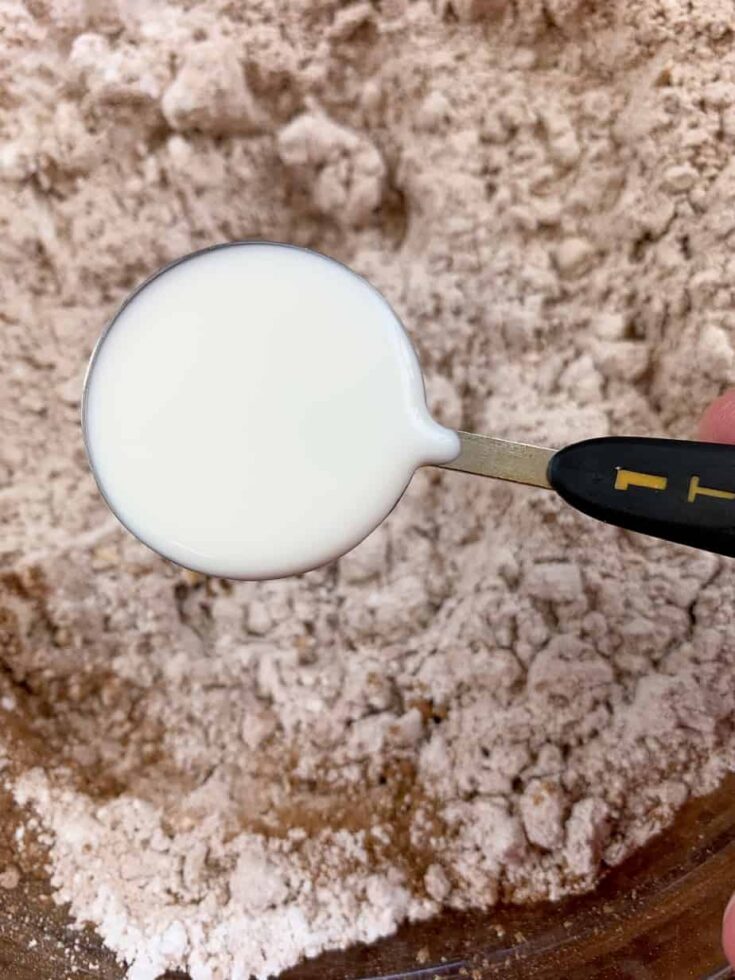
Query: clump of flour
[(491, 698)]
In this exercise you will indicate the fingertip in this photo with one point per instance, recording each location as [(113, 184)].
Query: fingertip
[(728, 932), (718, 422)]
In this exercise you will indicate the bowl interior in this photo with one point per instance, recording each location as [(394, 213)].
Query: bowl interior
[(656, 917)]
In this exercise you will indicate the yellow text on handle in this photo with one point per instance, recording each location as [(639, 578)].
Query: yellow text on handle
[(631, 478)]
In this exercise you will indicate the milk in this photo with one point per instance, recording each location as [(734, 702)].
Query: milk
[(255, 410)]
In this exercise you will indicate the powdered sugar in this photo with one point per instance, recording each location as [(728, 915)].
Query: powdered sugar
[(493, 697)]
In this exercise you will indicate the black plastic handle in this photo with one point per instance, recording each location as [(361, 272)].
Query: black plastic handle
[(672, 489)]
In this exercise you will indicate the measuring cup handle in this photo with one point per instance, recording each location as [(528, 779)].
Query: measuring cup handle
[(669, 488)]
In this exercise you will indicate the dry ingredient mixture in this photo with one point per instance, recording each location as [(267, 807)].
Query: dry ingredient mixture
[(493, 697)]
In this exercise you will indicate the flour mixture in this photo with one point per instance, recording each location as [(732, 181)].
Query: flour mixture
[(493, 697)]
